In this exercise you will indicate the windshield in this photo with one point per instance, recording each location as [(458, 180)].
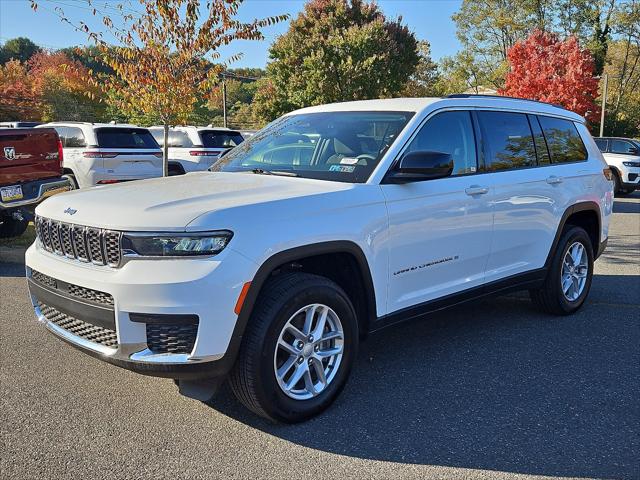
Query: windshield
[(339, 146)]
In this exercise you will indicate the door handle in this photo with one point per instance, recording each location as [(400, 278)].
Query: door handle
[(476, 190), (553, 180)]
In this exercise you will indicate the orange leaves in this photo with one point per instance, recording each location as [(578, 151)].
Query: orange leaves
[(543, 67)]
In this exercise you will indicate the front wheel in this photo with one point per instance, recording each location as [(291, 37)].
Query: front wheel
[(298, 348), (12, 227), (569, 278)]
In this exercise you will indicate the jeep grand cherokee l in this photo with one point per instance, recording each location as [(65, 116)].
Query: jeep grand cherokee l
[(332, 222)]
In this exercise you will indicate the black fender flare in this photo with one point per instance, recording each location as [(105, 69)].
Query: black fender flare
[(578, 207), (289, 256)]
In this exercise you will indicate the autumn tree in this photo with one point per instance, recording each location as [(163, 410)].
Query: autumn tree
[(61, 87), (17, 98), (166, 58), (336, 50), (543, 67), (424, 80)]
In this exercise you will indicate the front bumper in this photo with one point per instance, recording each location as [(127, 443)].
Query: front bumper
[(630, 178), (204, 289)]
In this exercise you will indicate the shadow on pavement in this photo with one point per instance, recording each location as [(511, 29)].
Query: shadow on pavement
[(494, 385), (625, 205), (12, 262)]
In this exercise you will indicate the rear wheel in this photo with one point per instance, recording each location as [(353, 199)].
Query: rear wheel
[(569, 279), (298, 348), (11, 227), (72, 179)]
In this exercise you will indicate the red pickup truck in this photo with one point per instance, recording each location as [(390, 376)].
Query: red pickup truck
[(30, 171)]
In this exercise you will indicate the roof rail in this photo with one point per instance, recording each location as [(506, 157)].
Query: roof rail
[(476, 95)]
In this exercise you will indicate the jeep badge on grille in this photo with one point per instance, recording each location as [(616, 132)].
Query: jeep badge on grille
[(70, 211)]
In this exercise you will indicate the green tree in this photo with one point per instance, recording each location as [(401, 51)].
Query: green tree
[(336, 50), (424, 81), (21, 49)]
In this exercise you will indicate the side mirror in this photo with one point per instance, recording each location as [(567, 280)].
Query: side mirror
[(421, 165)]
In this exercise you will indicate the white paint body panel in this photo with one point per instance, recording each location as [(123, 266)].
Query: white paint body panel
[(509, 230)]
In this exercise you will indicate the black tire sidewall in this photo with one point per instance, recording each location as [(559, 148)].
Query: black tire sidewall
[(273, 400), (572, 235)]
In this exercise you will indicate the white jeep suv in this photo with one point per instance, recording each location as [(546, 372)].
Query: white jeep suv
[(623, 157), (332, 222), (194, 149), (103, 153)]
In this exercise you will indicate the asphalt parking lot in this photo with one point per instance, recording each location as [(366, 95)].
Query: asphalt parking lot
[(490, 390)]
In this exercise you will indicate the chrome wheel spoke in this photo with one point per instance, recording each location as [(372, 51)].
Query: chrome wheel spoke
[(329, 352), (298, 373), (308, 352)]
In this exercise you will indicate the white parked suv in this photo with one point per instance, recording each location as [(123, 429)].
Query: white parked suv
[(623, 157), (332, 222), (103, 153), (194, 149)]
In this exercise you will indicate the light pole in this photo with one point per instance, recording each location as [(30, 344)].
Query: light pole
[(224, 102), (604, 103)]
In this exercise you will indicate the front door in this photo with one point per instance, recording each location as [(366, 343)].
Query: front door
[(440, 230)]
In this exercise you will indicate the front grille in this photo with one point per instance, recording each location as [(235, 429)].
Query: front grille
[(86, 244), (87, 331), (84, 293), (90, 294), (171, 338)]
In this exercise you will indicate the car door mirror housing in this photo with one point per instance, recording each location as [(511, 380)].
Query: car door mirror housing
[(421, 165)]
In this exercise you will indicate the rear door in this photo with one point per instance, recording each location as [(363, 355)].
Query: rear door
[(28, 154), (533, 181), (440, 230), (129, 153)]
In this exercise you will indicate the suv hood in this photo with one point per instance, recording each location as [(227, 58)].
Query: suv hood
[(170, 204)]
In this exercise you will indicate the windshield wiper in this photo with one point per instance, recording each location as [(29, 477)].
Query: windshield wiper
[(260, 171)]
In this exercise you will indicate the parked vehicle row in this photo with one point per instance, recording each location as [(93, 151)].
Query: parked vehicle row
[(332, 222), (30, 171), (99, 154)]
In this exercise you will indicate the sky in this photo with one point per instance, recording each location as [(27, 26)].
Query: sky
[(428, 19)]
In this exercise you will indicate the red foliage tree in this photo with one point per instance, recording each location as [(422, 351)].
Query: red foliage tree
[(545, 68)]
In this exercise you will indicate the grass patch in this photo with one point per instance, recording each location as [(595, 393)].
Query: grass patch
[(24, 240)]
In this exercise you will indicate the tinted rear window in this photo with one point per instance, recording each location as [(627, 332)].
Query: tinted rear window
[(507, 140), (565, 144), (217, 139), (125, 138)]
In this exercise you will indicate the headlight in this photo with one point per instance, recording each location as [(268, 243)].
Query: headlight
[(631, 164), (175, 244)]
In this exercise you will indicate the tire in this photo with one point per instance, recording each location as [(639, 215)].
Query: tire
[(551, 298), (628, 191), (175, 169), (253, 378), (10, 227)]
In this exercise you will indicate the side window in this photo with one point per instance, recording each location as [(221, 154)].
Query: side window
[(602, 144), (179, 139), (541, 145), (452, 133), (63, 134), (622, 146), (565, 144), (75, 138), (158, 135), (507, 141)]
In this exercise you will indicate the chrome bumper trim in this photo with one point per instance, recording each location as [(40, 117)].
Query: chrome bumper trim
[(44, 190)]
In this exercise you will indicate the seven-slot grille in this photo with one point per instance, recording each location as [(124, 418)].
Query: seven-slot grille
[(87, 244)]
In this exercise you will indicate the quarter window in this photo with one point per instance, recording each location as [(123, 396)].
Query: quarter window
[(74, 138), (452, 133), (565, 144), (602, 145), (508, 142)]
